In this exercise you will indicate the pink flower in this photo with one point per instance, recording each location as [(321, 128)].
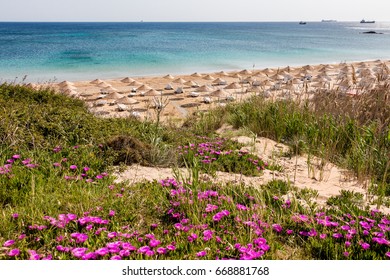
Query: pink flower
[(56, 164), (192, 237), (241, 207), (89, 256), (171, 247), (322, 235), (102, 251), (211, 207), (15, 215), (289, 231), (116, 258), (124, 253), (201, 254), (57, 149), (276, 227), (73, 167), (16, 156), (365, 246), (143, 249), (14, 253), (154, 243), (111, 213), (22, 236), (86, 169), (387, 254), (8, 243), (112, 234), (347, 244), (79, 252), (346, 254), (149, 253), (161, 250), (33, 255), (337, 235)]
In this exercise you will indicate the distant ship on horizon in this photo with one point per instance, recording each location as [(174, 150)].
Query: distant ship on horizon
[(328, 20), (367, 21)]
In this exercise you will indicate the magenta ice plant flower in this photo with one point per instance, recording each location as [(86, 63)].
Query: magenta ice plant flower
[(124, 253), (201, 254), (143, 249), (102, 251), (192, 237), (337, 235), (111, 213), (171, 247), (15, 215), (73, 167), (14, 253), (161, 250), (154, 243), (89, 256), (365, 246), (9, 243), (112, 234), (33, 255), (322, 235), (276, 227), (79, 252)]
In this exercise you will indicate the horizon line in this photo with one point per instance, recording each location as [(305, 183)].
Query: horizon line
[(146, 21)]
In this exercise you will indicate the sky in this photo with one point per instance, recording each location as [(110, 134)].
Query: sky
[(193, 10)]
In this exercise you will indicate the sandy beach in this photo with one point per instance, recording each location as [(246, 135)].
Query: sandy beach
[(183, 95)]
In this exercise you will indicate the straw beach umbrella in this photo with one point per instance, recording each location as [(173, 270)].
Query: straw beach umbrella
[(66, 83), (96, 81), (169, 77), (233, 86), (113, 95), (191, 84), (196, 75), (223, 74), (245, 72), (204, 88), (152, 92), (208, 77), (220, 93), (127, 100), (236, 76), (179, 81), (127, 80), (268, 71), (219, 82), (144, 88), (103, 84), (135, 84)]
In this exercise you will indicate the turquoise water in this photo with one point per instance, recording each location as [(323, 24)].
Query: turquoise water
[(81, 51)]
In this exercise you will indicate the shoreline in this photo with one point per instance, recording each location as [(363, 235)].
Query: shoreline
[(43, 78)]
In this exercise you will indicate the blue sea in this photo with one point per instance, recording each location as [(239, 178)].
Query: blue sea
[(82, 51)]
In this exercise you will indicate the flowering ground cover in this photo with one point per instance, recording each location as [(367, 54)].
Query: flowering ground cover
[(169, 219), (59, 199)]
